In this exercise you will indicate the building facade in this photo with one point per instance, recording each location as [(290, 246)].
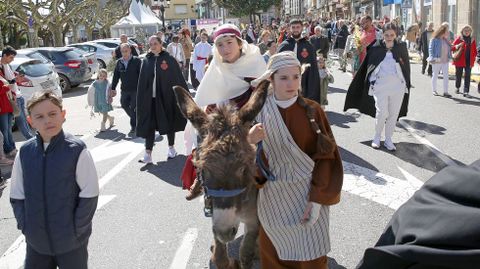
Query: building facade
[(176, 11)]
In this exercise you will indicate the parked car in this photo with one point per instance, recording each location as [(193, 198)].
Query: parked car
[(71, 67), (91, 59), (115, 42), (37, 75), (103, 53)]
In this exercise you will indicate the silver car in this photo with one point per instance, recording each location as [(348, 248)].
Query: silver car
[(104, 54)]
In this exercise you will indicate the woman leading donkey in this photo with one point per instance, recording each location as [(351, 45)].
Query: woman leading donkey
[(227, 81), (304, 174)]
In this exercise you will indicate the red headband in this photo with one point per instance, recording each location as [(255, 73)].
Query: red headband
[(226, 31)]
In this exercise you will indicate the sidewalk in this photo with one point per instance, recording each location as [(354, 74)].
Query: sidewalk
[(415, 58)]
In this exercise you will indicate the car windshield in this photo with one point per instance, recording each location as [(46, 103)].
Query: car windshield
[(34, 68)]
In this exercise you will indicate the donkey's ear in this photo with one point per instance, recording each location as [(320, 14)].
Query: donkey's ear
[(189, 108), (251, 109)]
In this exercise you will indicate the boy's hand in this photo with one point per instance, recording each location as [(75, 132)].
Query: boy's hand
[(311, 213)]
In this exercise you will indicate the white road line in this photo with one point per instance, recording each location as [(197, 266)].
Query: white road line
[(14, 257), (182, 255), (378, 187), (447, 160)]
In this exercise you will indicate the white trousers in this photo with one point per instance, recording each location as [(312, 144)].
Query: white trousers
[(436, 70), (388, 94)]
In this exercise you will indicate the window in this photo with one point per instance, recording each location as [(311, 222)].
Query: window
[(181, 9)]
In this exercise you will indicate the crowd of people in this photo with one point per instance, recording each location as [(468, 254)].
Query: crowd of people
[(224, 68)]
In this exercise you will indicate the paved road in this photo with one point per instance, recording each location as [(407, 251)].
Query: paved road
[(143, 220)]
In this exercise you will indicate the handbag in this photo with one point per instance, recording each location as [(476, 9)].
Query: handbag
[(13, 103), (458, 53)]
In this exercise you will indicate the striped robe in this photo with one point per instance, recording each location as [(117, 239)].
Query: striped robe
[(290, 149)]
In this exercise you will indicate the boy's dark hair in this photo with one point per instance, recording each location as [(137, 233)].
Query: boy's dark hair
[(8, 50), (296, 21), (43, 96), (389, 26)]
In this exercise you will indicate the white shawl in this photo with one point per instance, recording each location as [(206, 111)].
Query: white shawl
[(224, 81)]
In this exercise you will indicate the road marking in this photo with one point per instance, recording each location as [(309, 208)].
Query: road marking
[(378, 187), (182, 255), (447, 160), (14, 257)]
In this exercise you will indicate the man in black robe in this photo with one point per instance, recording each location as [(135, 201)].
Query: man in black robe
[(438, 228), (157, 108), (306, 55)]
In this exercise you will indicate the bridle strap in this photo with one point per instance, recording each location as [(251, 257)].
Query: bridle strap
[(221, 193), (261, 165)]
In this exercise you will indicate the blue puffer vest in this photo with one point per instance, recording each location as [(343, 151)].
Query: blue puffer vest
[(51, 194)]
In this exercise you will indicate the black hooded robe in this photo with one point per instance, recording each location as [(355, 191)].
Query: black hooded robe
[(437, 228), (168, 115), (357, 95), (306, 55)]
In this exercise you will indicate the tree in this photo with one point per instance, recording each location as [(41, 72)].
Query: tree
[(249, 8)]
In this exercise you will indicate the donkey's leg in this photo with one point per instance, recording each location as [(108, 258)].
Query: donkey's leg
[(220, 257), (249, 246)]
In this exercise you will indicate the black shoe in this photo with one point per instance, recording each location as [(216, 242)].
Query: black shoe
[(429, 75), (457, 91), (447, 95), (466, 95)]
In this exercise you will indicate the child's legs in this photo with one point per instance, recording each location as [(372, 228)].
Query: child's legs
[(35, 260), (75, 259), (104, 116)]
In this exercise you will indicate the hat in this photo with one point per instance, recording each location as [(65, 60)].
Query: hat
[(226, 30), (276, 62)]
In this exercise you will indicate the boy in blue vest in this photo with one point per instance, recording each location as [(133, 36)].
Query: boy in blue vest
[(54, 190)]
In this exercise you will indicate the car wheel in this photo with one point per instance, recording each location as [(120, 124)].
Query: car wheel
[(101, 64), (64, 83)]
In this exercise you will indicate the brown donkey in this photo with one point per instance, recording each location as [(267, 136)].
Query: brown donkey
[(227, 164)]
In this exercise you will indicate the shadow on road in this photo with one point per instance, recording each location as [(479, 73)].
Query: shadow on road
[(425, 127), (168, 171), (339, 119), (418, 155), (336, 90), (467, 101), (350, 157)]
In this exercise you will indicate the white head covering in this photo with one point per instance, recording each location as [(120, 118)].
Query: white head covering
[(224, 81), (277, 61)]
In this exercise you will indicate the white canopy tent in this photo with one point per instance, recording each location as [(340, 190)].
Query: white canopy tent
[(140, 17)]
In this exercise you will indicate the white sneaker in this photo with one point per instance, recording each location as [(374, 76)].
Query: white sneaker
[(147, 158), (389, 145), (172, 153), (376, 143)]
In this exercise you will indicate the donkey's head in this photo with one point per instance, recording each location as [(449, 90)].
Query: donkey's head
[(225, 157)]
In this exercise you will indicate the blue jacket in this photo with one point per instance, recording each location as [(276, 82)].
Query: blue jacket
[(435, 48), (52, 217)]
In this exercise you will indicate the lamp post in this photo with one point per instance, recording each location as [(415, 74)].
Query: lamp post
[(162, 5)]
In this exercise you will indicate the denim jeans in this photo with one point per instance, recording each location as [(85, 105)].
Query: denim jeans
[(6, 129), (21, 120)]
